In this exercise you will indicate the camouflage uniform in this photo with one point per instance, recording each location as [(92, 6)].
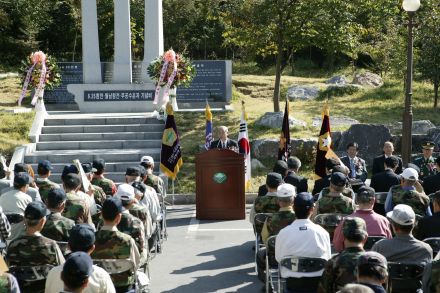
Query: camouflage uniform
[(334, 204), (143, 214), (8, 283), (427, 167), (154, 181), (419, 202), (266, 204), (44, 185), (57, 227), (280, 220), (99, 194), (114, 245), (434, 280), (348, 192), (76, 209), (134, 227), (107, 185)]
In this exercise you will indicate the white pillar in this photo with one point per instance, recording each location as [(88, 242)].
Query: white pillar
[(90, 43), (153, 44), (122, 63)]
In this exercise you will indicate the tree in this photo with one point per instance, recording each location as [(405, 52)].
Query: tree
[(429, 44)]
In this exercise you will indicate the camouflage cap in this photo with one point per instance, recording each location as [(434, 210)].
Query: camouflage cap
[(372, 259), (354, 226)]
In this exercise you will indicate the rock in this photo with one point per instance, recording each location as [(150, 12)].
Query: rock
[(335, 121), (338, 80), (275, 120), (370, 138), (304, 149), (256, 165), (418, 127), (336, 139), (264, 148), (368, 79), (302, 92), (434, 135)]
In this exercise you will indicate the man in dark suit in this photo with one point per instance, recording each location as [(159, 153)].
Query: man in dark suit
[(357, 167), (292, 175), (382, 182), (429, 226), (378, 162), (431, 184), (224, 142), (325, 181)]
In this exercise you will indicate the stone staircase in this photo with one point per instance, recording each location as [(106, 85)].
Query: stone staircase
[(120, 139)]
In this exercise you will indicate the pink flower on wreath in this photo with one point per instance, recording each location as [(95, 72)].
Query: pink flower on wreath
[(38, 57), (169, 55)]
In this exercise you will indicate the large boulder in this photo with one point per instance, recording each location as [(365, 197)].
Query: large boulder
[(434, 135), (368, 79), (338, 80), (418, 127), (267, 148), (370, 138), (302, 92), (275, 120), (335, 121), (256, 165)]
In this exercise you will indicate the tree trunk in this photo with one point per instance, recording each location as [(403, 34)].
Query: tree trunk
[(436, 86), (276, 91)]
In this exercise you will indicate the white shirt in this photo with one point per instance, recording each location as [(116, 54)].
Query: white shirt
[(151, 201), (99, 281), (15, 202), (32, 192), (302, 238)]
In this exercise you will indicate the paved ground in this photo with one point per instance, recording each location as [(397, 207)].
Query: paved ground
[(205, 256)]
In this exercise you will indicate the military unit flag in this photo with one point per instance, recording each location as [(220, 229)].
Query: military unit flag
[(324, 143), (170, 155), (284, 147), (208, 131), (243, 144)]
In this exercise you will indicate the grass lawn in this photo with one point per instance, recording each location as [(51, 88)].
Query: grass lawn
[(383, 105)]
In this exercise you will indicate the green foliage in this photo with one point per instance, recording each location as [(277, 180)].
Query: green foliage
[(53, 73), (338, 91)]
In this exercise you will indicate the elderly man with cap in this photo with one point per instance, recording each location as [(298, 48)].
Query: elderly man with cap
[(383, 181), (403, 247), (76, 208), (14, 203), (426, 162), (377, 225), (31, 190), (150, 179), (129, 224), (113, 244), (44, 170), (407, 193), (303, 239), (292, 175), (372, 271), (99, 179), (76, 272), (431, 184), (57, 227), (31, 248), (340, 269), (335, 201), (280, 168), (269, 202), (82, 239)]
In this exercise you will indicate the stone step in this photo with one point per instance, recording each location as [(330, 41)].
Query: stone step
[(109, 166), (100, 121), (98, 144), (109, 155), (102, 128), (100, 136)]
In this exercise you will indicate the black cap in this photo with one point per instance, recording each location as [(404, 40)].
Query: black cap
[(139, 186), (99, 164), (392, 161), (21, 167), (35, 211), (281, 167), (88, 168), (72, 179), (55, 197), (22, 178), (365, 193), (45, 165), (273, 179), (78, 266), (133, 171), (338, 179), (142, 170), (303, 199), (82, 235), (68, 170), (331, 163), (111, 207)]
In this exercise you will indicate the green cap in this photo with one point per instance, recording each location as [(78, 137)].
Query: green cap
[(353, 227)]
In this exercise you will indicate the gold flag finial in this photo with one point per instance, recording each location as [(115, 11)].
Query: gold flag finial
[(169, 109)]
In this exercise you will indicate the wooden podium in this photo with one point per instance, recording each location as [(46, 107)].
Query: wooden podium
[(220, 185)]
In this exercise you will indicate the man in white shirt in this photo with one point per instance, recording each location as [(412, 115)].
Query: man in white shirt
[(31, 191), (302, 238), (82, 238)]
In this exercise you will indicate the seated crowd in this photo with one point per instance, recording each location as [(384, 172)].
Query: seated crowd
[(63, 238), (351, 234)]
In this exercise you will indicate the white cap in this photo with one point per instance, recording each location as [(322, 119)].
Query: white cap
[(147, 159), (125, 192), (410, 173), (402, 214), (286, 190)]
